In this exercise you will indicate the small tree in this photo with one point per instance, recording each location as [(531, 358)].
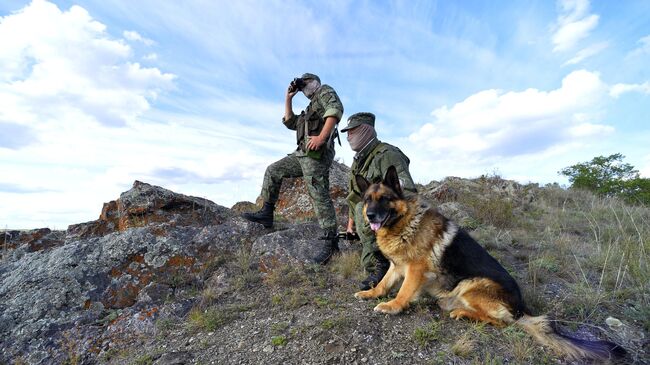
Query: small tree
[(637, 191), (609, 176)]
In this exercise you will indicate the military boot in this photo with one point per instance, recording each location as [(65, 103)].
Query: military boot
[(263, 216), (376, 273), (330, 248)]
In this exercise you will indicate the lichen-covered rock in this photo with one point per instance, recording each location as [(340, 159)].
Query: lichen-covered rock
[(299, 244), (146, 204), (29, 241), (116, 271)]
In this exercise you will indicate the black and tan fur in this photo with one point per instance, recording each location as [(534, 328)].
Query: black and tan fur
[(431, 254)]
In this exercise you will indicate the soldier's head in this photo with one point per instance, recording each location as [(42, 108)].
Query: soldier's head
[(360, 130), (312, 83)]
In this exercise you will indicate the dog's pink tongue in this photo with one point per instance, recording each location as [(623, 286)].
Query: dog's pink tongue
[(375, 226)]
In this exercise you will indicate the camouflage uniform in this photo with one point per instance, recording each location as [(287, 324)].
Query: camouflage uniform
[(372, 163), (313, 166)]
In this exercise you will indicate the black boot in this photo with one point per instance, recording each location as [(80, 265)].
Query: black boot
[(330, 247), (263, 216), (376, 273)]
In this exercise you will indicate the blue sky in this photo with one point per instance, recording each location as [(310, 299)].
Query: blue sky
[(189, 95)]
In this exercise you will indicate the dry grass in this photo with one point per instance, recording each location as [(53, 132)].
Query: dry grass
[(286, 275), (489, 209), (347, 265), (248, 274), (592, 254), (214, 317), (464, 346)]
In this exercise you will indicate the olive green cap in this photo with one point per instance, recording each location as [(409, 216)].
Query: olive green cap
[(358, 119), (307, 76)]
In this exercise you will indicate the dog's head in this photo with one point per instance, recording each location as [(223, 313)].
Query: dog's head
[(383, 202)]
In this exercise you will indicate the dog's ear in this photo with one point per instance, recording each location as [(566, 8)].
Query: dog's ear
[(362, 183), (392, 180)]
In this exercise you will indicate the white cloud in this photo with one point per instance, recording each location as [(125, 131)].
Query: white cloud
[(65, 85), (136, 37), (643, 49), (619, 89), (584, 53), (495, 123), (573, 24), (72, 171), (63, 65)]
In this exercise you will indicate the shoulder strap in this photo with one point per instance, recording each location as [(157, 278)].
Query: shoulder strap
[(381, 147)]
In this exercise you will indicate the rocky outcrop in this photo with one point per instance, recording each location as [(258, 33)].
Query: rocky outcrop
[(20, 242), (145, 204), (294, 202), (102, 279), (305, 245)]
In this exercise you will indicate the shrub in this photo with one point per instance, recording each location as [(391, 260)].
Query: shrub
[(609, 176)]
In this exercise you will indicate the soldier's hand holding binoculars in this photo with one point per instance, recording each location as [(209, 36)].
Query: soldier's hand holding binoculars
[(292, 90)]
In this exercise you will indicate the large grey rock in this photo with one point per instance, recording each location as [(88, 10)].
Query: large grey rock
[(299, 244), (111, 277)]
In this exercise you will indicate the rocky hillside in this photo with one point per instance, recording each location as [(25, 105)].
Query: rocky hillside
[(164, 278)]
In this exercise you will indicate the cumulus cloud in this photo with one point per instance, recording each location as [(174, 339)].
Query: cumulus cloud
[(573, 24), (136, 37), (62, 65), (619, 89), (494, 123)]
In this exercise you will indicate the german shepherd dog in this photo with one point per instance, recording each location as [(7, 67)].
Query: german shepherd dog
[(433, 255)]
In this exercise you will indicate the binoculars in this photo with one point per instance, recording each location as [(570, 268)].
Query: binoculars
[(297, 84)]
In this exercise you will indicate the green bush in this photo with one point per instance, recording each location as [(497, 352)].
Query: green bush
[(609, 176)]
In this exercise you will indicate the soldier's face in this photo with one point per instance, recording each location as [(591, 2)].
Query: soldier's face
[(351, 133), (310, 87), (354, 139)]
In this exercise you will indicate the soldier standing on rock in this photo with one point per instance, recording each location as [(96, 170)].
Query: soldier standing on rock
[(372, 160), (315, 131)]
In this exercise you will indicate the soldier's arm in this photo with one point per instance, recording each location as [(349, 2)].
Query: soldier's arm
[(350, 227), (291, 122), (289, 118), (331, 103)]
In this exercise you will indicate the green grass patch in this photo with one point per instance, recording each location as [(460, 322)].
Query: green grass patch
[(210, 319), (425, 335), (279, 340)]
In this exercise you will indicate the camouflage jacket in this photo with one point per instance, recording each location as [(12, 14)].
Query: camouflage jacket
[(324, 103), (372, 163)]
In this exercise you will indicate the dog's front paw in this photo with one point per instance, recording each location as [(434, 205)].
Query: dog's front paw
[(388, 307), (365, 294)]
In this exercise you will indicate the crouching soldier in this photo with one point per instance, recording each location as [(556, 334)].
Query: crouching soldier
[(315, 130), (372, 160)]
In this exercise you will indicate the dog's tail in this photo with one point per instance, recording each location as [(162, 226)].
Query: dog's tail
[(543, 331)]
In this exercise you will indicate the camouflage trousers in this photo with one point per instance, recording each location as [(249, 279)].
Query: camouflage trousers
[(316, 174), (369, 250)]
